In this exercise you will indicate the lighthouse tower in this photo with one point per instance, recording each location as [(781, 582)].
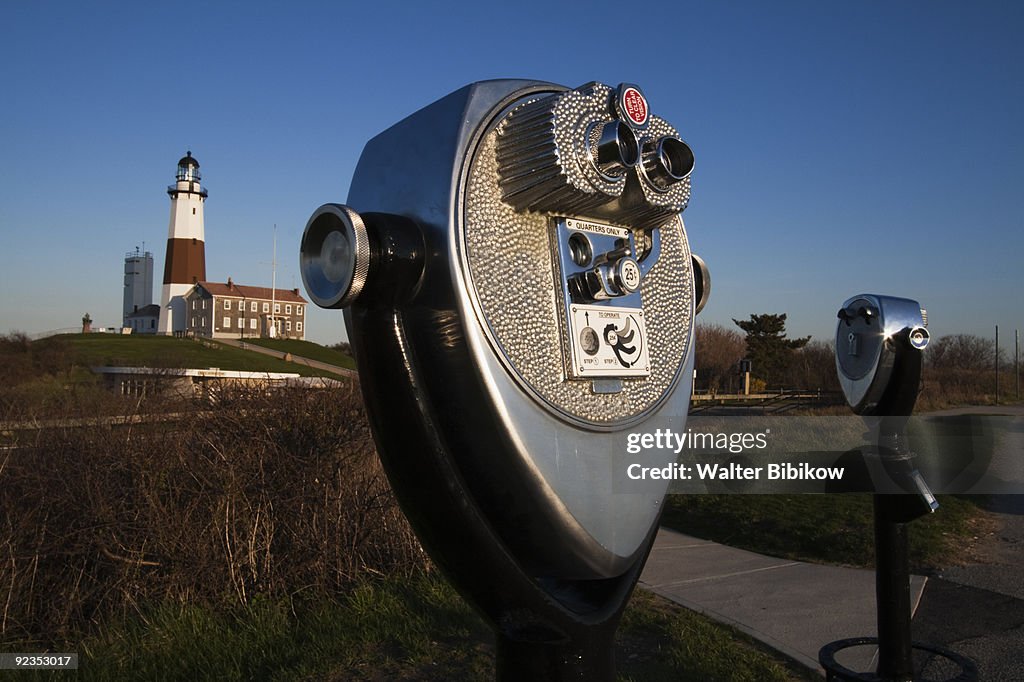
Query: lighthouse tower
[(186, 255)]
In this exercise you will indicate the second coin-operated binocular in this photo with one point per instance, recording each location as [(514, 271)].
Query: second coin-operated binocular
[(879, 344), (879, 340), (518, 291)]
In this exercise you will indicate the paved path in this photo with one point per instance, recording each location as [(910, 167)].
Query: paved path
[(978, 609), (796, 607), (316, 364), (792, 606)]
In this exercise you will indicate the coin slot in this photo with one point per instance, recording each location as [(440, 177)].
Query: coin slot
[(580, 249)]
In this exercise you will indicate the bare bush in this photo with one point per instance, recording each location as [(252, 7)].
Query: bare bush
[(963, 352), (813, 367), (719, 350), (959, 370), (277, 496)]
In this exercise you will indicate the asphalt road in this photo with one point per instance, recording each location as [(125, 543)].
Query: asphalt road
[(977, 610)]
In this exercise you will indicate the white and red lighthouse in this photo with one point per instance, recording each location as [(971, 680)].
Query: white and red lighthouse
[(185, 263)]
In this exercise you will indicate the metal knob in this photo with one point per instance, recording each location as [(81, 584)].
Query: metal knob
[(701, 283), (610, 278), (334, 257)]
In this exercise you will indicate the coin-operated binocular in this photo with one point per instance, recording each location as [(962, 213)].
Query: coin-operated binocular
[(879, 345), (519, 290)]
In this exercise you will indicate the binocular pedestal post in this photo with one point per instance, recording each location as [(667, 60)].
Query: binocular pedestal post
[(892, 592), (892, 513), (892, 597)]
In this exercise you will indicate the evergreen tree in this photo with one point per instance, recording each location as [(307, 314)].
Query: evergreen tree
[(768, 349)]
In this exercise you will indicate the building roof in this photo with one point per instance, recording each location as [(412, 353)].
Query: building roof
[(151, 310), (245, 291)]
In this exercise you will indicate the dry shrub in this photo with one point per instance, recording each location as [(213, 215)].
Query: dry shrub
[(279, 496), (719, 350)]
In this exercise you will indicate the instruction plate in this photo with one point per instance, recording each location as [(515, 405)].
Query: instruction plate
[(608, 342)]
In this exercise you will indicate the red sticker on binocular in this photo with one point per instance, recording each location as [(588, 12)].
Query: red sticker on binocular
[(634, 106)]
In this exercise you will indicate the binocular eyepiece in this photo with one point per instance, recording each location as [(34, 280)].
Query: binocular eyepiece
[(595, 151)]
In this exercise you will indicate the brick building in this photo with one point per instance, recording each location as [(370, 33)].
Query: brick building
[(218, 310)]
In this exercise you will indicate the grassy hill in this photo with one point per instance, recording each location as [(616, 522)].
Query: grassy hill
[(91, 350), (307, 349)]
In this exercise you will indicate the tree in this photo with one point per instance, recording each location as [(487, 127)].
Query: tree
[(768, 348)]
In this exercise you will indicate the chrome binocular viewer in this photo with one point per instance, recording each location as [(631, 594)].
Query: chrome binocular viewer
[(519, 290), (878, 344)]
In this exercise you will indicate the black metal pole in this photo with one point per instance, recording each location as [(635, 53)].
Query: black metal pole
[(997, 364), (892, 592)]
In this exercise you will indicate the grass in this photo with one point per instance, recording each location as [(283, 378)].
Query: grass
[(164, 351), (415, 629), (834, 529), (307, 349)]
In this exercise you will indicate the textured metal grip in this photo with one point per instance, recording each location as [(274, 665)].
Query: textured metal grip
[(540, 146)]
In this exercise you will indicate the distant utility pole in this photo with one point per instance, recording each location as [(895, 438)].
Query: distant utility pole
[(997, 364), (1016, 360)]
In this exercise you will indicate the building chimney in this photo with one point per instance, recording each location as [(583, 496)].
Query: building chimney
[(295, 291), (230, 283)]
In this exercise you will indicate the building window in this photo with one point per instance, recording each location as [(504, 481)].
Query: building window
[(252, 321), (252, 307), (298, 326), (241, 323), (298, 310), (288, 309), (288, 325), (227, 304), (266, 307), (227, 323), (193, 321), (277, 308)]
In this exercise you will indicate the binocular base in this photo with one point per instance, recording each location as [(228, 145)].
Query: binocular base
[(836, 672)]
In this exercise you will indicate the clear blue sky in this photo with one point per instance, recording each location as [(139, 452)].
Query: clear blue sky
[(841, 148)]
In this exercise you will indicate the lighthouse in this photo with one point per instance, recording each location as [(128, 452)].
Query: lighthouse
[(185, 264)]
